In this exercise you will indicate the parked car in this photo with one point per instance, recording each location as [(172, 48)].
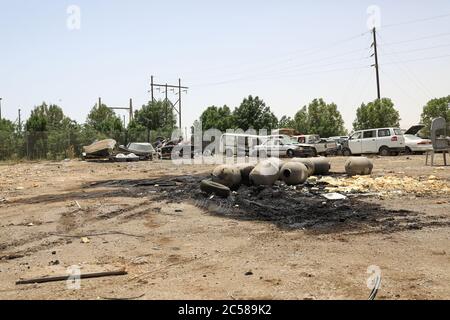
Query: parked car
[(383, 141), (320, 146), (282, 147), (414, 143)]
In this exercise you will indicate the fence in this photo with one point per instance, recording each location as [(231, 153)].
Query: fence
[(62, 144)]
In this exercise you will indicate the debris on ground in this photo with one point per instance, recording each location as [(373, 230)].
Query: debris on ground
[(387, 185), (334, 196), (85, 240), (65, 278)]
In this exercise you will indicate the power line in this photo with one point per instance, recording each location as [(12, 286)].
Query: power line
[(417, 39), (416, 21), (420, 49), (281, 76), (423, 59), (287, 58), (289, 69)]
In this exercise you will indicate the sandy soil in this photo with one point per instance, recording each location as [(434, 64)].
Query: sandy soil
[(173, 248)]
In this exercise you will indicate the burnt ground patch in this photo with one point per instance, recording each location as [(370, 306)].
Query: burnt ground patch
[(286, 207)]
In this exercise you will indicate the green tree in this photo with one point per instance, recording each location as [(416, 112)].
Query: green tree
[(253, 113), (156, 116), (50, 134), (301, 122), (376, 114), (219, 118), (319, 118), (7, 139), (435, 108), (285, 122), (104, 120)]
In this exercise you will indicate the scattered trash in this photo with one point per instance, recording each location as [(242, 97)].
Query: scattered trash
[(78, 205), (85, 240), (31, 224), (20, 188), (249, 273), (218, 189), (334, 196), (65, 278), (53, 263), (386, 185)]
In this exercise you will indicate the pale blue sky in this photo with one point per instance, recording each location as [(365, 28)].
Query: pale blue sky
[(286, 52)]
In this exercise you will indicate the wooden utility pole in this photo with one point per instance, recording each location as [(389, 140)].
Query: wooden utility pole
[(376, 65), (1, 108), (175, 106)]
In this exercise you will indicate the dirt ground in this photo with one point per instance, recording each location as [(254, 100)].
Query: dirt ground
[(176, 243)]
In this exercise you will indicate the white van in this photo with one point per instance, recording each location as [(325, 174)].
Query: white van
[(384, 141)]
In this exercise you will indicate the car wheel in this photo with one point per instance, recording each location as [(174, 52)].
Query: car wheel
[(218, 189), (384, 151), (346, 153), (408, 150), (290, 153)]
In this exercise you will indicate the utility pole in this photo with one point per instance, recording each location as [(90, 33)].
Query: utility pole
[(20, 121), (179, 101), (99, 102), (175, 106), (1, 108), (376, 65), (131, 109), (151, 84)]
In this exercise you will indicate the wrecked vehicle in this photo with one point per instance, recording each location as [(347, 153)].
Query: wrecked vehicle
[(99, 150), (282, 146), (166, 148), (143, 150), (320, 146)]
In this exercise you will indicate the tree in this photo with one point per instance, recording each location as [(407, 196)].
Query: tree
[(253, 113), (435, 108), (219, 118), (285, 122), (376, 114), (319, 118), (301, 122), (104, 120), (7, 139), (156, 116), (50, 134)]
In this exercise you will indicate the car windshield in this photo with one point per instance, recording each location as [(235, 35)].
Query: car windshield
[(289, 140)]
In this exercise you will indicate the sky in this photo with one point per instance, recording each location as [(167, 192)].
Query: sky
[(285, 52)]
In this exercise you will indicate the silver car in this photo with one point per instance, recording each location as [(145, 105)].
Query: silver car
[(282, 147)]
